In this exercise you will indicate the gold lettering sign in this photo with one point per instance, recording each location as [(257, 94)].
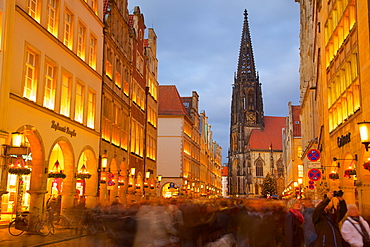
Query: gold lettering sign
[(56, 126)]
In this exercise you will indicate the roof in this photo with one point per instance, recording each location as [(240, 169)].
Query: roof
[(262, 139), (169, 101), (224, 171)]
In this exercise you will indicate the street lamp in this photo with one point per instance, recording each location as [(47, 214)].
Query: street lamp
[(364, 133)]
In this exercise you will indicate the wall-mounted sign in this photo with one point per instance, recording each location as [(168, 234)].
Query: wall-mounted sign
[(313, 155), (56, 126), (314, 174), (343, 139)]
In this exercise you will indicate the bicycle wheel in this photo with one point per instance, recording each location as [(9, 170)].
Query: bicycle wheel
[(60, 223), (13, 231), (51, 228), (42, 228)]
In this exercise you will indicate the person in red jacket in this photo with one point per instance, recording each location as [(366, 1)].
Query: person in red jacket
[(294, 221)]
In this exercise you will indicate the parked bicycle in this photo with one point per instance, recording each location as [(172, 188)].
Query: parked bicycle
[(65, 221), (21, 224)]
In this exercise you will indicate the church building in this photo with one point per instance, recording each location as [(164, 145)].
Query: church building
[(255, 140)]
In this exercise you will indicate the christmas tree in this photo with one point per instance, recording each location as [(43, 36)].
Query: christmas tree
[(268, 186)]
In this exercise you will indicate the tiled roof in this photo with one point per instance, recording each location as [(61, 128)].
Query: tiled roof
[(224, 171), (270, 135), (169, 101), (105, 7), (296, 120), (131, 21)]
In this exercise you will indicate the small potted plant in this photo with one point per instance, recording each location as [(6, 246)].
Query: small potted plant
[(334, 176), (367, 166), (349, 172)]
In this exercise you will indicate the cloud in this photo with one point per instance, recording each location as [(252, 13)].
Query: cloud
[(198, 49)]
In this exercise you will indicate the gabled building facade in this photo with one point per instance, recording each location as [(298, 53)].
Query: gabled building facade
[(51, 92), (188, 159)]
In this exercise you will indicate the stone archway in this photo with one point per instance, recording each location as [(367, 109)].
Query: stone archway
[(61, 159), (38, 176), (88, 160)]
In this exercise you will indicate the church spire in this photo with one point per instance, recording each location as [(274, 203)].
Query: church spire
[(246, 67)]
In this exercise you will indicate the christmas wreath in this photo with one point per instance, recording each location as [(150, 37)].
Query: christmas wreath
[(19, 171), (83, 175), (57, 175)]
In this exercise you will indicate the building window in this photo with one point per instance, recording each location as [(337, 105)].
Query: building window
[(52, 17), (117, 76), (94, 6), (153, 89), (139, 63), (259, 168), (152, 116), (91, 110), (65, 103), (151, 147), (300, 171), (30, 84), (33, 8), (137, 138), (68, 19), (109, 65), (79, 103), (49, 96), (92, 52), (126, 88), (81, 37)]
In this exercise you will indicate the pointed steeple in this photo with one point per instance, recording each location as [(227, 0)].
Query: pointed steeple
[(246, 67)]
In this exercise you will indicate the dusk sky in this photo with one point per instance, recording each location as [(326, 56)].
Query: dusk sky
[(198, 47)]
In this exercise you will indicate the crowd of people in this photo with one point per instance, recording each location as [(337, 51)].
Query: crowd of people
[(234, 223)]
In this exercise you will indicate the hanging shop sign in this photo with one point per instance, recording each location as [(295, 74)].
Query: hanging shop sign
[(344, 139), (56, 126)]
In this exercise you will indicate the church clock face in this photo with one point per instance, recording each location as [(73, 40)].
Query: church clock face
[(251, 117)]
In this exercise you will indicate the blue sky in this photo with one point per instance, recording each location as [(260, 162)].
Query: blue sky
[(198, 48)]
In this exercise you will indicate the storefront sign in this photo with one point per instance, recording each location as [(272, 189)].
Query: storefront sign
[(343, 140), (65, 129)]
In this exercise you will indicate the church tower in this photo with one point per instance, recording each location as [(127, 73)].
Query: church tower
[(246, 115)]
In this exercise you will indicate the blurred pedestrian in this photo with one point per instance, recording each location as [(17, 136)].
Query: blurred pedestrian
[(355, 229), (309, 232), (326, 217), (294, 221)]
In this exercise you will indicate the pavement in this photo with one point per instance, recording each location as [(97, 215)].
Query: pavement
[(33, 240)]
